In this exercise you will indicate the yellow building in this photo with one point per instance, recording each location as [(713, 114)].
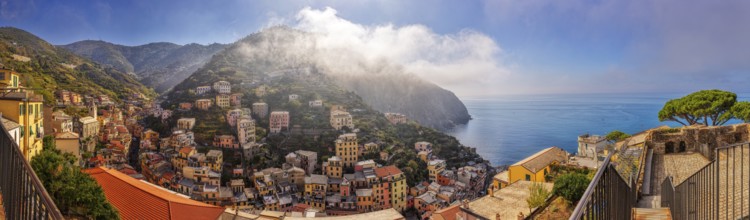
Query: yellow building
[(347, 149), (500, 180), (434, 167), (8, 79), (222, 100), (365, 200), (397, 188), (25, 108), (316, 187), (536, 167), (333, 167)]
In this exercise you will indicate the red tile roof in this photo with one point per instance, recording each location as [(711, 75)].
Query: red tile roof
[(186, 150), (446, 213), (387, 171), (135, 199)]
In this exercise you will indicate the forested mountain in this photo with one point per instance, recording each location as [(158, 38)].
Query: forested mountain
[(382, 85), (158, 65), (48, 68)]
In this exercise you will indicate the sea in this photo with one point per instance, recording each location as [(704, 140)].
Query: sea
[(506, 129)]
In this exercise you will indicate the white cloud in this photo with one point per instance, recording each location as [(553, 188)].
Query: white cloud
[(461, 62)]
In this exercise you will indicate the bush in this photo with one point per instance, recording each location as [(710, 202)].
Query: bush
[(571, 186), (74, 192)]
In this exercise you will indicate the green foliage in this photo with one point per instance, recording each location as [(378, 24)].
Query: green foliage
[(571, 186), (74, 192), (51, 68), (538, 195), (708, 107), (616, 136), (741, 111)]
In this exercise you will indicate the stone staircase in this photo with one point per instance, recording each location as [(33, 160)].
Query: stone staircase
[(651, 214)]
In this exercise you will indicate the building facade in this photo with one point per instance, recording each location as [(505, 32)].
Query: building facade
[(278, 121), (347, 149)]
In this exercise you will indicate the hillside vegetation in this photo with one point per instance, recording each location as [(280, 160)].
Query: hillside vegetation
[(48, 68), (157, 65), (384, 86)]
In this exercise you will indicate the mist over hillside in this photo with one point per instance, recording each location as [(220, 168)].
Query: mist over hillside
[(382, 84)]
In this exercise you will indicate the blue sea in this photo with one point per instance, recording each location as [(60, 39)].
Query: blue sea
[(506, 129)]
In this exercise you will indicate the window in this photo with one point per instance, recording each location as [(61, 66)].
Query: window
[(528, 178), (21, 110)]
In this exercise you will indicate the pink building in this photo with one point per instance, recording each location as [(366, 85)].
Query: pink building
[(279, 120)]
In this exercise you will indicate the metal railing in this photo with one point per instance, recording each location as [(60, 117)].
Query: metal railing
[(24, 196), (719, 190), (608, 196)]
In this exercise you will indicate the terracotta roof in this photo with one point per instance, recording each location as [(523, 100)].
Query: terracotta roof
[(96, 158), (387, 171), (135, 199), (186, 150), (446, 213), (543, 158)]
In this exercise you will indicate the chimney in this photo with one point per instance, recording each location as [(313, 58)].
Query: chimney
[(497, 216), (520, 216), (465, 204), (491, 192)]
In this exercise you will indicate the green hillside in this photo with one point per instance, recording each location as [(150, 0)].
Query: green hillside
[(48, 68)]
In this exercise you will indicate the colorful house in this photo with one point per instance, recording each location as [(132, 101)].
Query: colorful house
[(535, 167)]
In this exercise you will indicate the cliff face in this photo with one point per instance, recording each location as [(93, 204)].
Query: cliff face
[(159, 65), (383, 85), (420, 100)]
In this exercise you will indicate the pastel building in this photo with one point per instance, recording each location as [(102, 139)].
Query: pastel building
[(315, 103), (232, 116), (185, 123), (396, 118), (347, 149), (222, 100), (590, 145), (260, 109), (246, 130), (235, 99), (535, 167), (25, 108), (278, 121), (200, 90), (223, 87), (203, 104), (341, 119)]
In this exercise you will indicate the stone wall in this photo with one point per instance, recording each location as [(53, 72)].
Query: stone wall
[(696, 138)]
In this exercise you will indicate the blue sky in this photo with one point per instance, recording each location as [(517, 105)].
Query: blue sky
[(543, 46)]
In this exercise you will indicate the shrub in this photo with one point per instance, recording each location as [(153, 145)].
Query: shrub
[(571, 186)]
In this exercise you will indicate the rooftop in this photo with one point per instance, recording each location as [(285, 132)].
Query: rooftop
[(386, 214), (543, 158), (502, 176), (136, 199), (507, 202), (387, 171), (316, 179)]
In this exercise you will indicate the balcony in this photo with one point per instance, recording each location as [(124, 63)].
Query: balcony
[(23, 195)]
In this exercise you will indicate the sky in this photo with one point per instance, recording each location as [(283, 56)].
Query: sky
[(472, 47)]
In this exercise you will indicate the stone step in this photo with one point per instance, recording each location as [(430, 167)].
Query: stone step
[(651, 214)]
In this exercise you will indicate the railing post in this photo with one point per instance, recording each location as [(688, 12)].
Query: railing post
[(24, 196)]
